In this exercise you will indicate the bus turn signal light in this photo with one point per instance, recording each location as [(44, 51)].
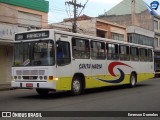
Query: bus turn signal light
[(52, 78)]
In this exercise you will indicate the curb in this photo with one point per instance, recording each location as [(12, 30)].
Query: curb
[(5, 87)]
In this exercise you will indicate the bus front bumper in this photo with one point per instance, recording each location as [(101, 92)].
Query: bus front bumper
[(43, 85)]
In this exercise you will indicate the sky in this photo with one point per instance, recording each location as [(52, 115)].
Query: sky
[(58, 10)]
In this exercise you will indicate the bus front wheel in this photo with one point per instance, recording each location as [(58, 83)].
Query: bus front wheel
[(76, 86), (42, 92), (133, 80)]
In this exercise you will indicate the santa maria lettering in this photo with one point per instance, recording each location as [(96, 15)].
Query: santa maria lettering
[(89, 66)]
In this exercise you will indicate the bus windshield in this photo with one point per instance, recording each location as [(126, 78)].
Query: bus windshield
[(39, 53)]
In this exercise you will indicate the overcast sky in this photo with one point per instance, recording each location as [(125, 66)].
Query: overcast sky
[(58, 10)]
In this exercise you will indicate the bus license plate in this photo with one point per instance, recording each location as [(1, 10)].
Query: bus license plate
[(29, 84)]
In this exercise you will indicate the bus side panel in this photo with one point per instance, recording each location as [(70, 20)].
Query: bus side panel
[(99, 70), (146, 72)]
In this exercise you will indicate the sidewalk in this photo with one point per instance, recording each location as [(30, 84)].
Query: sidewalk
[(5, 87)]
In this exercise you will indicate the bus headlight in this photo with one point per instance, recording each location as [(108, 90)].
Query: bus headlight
[(15, 77), (19, 77), (40, 77), (45, 77)]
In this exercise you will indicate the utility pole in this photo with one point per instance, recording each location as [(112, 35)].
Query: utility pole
[(133, 4), (76, 6)]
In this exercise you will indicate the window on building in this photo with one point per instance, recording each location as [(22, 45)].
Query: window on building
[(124, 52), (140, 39), (97, 50), (155, 42), (130, 37), (101, 33), (116, 36), (121, 37), (136, 38), (112, 51), (155, 25), (80, 48), (25, 18), (159, 42)]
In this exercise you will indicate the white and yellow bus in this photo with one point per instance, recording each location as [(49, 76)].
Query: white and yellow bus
[(62, 61)]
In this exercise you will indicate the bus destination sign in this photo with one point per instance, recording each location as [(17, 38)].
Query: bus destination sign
[(32, 35)]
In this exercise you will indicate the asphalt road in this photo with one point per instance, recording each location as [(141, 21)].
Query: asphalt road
[(144, 97)]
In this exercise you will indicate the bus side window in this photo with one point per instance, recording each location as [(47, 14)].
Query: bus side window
[(124, 52), (112, 51), (150, 56), (80, 48), (143, 54), (134, 55), (97, 50)]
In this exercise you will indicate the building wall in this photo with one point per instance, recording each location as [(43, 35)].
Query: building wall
[(109, 28), (11, 16), (14, 15), (143, 20), (39, 5), (93, 27), (43, 16), (157, 33), (15, 19), (2, 65), (6, 60), (87, 27)]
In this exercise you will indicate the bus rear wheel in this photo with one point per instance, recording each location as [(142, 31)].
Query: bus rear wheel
[(42, 92), (133, 80), (76, 87)]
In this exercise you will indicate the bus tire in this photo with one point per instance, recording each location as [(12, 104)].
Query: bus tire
[(42, 92), (133, 80), (76, 87)]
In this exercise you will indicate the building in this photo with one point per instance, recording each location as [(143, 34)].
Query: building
[(135, 13), (16, 16), (94, 27)]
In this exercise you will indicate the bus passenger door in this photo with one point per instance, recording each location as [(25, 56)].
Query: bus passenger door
[(63, 62)]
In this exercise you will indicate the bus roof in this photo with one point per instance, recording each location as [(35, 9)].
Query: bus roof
[(87, 36)]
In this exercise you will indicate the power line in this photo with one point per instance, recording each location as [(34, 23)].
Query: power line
[(83, 8), (75, 6), (68, 11)]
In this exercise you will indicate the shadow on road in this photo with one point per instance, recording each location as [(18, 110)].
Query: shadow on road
[(67, 94)]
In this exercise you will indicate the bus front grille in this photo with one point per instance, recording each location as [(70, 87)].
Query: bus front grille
[(30, 72)]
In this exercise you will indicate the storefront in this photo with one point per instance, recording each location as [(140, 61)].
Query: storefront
[(6, 60), (7, 32)]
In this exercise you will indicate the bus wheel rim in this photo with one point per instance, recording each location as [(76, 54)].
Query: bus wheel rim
[(133, 81), (76, 86)]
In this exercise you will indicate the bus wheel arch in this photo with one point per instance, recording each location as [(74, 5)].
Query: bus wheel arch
[(133, 79), (78, 84)]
